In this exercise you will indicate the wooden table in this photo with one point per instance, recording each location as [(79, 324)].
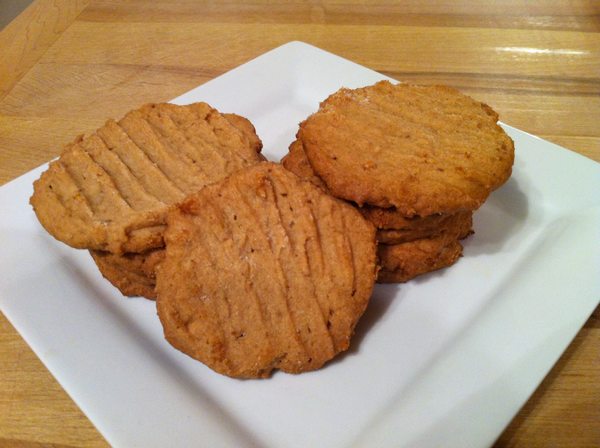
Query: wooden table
[(66, 66)]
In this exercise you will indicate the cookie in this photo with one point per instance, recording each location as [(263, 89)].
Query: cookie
[(297, 162), (392, 219), (110, 191), (132, 274), (247, 128), (264, 271), (422, 149), (402, 262), (427, 228), (393, 227)]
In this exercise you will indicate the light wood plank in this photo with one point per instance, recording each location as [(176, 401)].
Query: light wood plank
[(29, 142), (98, 90), (578, 15), (383, 48), (27, 37)]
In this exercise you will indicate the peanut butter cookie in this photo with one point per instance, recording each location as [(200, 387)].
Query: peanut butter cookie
[(264, 271)]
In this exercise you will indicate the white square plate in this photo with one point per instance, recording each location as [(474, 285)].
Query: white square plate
[(445, 360)]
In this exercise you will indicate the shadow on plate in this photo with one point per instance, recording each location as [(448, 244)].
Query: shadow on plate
[(501, 217), (382, 298)]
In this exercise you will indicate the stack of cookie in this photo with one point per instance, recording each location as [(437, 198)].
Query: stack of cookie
[(416, 160), (110, 191), (252, 268)]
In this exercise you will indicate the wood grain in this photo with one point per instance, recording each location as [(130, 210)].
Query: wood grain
[(581, 15), (68, 65), (27, 38)]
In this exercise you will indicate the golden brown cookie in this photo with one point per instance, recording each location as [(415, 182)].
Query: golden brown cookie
[(393, 227), (247, 128), (132, 274), (428, 228), (422, 149), (296, 161), (391, 218), (402, 262), (264, 271), (111, 190)]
